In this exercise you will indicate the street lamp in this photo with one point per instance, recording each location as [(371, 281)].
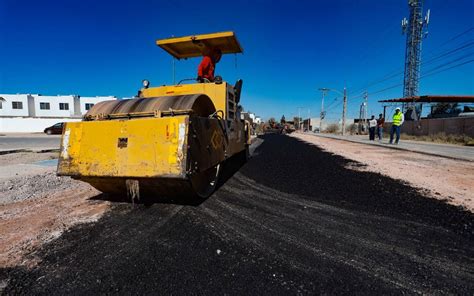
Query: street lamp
[(322, 114), (344, 94)]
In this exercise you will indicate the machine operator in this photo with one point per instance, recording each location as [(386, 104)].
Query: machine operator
[(208, 65)]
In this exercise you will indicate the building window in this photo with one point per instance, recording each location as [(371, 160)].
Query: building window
[(89, 106), (63, 106), (44, 106), (0, 104), (17, 105)]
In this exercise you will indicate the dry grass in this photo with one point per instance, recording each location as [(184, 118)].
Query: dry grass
[(332, 128), (442, 138)]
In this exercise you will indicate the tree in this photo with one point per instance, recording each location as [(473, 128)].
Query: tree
[(282, 120)]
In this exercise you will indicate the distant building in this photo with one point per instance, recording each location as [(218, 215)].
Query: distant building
[(314, 124), (251, 117), (34, 112)]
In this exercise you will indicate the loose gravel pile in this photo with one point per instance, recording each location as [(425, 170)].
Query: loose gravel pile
[(32, 186)]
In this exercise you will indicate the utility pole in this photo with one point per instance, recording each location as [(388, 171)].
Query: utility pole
[(322, 114), (361, 117), (366, 100), (299, 118), (344, 109), (414, 29), (309, 119)]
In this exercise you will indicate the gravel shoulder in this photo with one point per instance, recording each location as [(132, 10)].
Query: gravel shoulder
[(36, 206), (437, 177)]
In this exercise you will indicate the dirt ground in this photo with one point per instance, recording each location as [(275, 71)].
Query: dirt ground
[(36, 206), (438, 177)]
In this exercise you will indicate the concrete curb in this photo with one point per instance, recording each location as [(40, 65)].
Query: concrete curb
[(12, 151), (394, 147), (28, 150)]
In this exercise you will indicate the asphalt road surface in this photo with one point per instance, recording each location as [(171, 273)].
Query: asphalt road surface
[(293, 220), (29, 142)]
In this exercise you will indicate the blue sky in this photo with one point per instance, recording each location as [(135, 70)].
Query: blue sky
[(291, 48)]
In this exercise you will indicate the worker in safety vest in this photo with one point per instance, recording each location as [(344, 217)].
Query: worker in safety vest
[(398, 120), (208, 65)]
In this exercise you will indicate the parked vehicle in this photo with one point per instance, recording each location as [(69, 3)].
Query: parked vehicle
[(56, 129)]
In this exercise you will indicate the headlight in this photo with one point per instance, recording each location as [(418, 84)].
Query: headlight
[(145, 83)]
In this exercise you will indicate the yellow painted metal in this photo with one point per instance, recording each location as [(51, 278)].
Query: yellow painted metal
[(218, 93), (198, 45), (167, 141), (141, 148)]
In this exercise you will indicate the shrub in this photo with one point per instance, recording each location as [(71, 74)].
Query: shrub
[(332, 128), (352, 128)]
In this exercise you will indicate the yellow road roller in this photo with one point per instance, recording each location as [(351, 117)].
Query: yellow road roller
[(170, 140)]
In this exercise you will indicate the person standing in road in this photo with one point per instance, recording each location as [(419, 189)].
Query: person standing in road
[(398, 120), (372, 126), (380, 123)]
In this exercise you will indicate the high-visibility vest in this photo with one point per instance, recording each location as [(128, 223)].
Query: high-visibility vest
[(397, 118)]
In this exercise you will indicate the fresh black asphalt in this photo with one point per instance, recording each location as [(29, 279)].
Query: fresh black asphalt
[(293, 220)]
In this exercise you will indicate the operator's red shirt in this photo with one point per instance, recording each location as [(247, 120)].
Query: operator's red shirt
[(206, 68)]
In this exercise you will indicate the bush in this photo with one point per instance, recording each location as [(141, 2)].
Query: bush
[(352, 128), (332, 128)]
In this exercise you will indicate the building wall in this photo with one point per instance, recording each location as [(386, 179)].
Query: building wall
[(31, 118), (54, 102), (29, 124), (7, 109)]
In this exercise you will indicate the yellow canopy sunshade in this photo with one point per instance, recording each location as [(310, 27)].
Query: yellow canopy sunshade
[(198, 45)]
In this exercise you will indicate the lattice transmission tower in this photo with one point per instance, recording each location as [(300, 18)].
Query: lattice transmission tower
[(414, 28)]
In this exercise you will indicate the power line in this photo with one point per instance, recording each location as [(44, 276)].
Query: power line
[(399, 72), (396, 72), (332, 103), (449, 68), (455, 37), (451, 62), (427, 74)]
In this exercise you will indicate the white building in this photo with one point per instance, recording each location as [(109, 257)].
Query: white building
[(33, 113), (251, 117), (14, 105), (52, 106)]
